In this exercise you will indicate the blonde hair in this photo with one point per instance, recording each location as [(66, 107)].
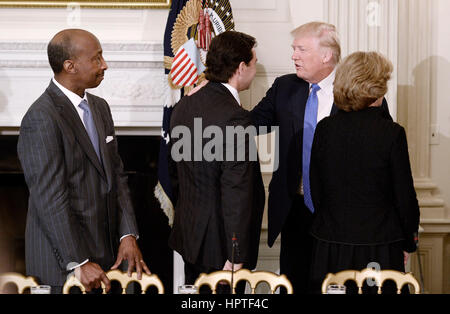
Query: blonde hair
[(326, 33), (361, 79)]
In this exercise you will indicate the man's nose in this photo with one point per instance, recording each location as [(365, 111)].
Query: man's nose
[(104, 65)]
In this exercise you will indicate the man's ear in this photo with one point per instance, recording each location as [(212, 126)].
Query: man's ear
[(241, 67), (327, 56), (69, 66)]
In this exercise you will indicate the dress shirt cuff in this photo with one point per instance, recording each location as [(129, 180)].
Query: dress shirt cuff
[(73, 265), (127, 235)]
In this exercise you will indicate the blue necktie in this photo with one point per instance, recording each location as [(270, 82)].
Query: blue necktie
[(90, 126), (309, 126)]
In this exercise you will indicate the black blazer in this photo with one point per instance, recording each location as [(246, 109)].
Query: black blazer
[(215, 199), (78, 207), (361, 181), (284, 107)]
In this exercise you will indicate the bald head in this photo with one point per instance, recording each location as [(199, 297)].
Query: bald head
[(65, 45), (76, 58)]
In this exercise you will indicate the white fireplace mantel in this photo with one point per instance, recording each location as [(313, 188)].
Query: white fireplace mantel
[(134, 83)]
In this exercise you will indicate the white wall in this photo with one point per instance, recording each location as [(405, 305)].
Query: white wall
[(132, 44), (440, 115), (107, 24), (270, 21)]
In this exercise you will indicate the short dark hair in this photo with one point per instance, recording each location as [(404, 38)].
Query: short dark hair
[(226, 52), (59, 51)]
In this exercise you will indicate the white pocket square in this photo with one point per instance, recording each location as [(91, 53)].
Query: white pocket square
[(109, 139)]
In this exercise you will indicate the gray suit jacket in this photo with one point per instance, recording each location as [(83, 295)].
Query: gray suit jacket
[(79, 207)]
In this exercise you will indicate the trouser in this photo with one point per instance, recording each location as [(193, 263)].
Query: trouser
[(296, 246)]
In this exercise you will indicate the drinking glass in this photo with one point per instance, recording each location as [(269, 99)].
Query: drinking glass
[(40, 289), (187, 289), (336, 289)]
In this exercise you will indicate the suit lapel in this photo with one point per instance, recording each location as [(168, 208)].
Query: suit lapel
[(102, 136), (297, 105), (70, 115)]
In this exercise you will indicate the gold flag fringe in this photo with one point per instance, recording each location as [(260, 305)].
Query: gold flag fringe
[(165, 202)]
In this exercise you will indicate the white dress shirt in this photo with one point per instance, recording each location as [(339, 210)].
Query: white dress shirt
[(233, 91), (325, 96), (74, 99)]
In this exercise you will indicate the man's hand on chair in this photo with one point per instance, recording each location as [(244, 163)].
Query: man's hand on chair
[(91, 275), (129, 251)]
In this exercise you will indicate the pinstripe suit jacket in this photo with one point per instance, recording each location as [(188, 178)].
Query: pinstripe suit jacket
[(215, 198), (78, 206)]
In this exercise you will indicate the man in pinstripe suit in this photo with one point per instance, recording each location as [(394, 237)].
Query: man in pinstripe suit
[(80, 216)]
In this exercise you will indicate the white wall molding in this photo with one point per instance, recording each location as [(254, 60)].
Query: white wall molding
[(260, 11), (368, 25), (414, 99), (414, 113), (134, 83)]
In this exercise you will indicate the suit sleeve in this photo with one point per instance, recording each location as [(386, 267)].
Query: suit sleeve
[(41, 152), (127, 220), (264, 113), (404, 194), (237, 191)]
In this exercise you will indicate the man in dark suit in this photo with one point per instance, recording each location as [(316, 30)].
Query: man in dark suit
[(218, 198), (295, 104), (80, 216)]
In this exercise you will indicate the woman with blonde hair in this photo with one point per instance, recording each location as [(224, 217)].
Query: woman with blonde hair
[(361, 183)]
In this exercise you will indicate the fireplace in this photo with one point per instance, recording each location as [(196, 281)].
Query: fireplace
[(134, 87), (140, 157)]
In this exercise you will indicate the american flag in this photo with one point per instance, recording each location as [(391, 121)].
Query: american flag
[(186, 65), (221, 19)]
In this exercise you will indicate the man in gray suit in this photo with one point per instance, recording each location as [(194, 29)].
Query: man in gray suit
[(80, 216)]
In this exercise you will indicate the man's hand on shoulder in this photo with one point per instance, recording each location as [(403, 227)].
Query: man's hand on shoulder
[(198, 87)]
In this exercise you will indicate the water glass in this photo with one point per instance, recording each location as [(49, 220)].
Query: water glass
[(336, 289), (187, 289), (40, 289)]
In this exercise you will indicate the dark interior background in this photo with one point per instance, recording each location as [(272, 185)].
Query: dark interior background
[(140, 157)]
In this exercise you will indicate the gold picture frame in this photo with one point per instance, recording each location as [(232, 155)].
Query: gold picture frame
[(117, 4)]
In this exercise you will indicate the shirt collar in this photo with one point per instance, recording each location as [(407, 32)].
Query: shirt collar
[(74, 98), (233, 92), (326, 85)]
